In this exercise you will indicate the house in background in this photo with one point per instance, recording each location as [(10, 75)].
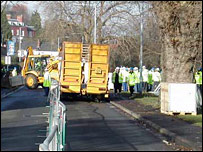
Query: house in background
[(19, 28)]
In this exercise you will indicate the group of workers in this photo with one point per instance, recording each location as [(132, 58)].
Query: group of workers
[(128, 79)]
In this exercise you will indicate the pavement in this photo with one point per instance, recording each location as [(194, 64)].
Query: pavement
[(177, 131)]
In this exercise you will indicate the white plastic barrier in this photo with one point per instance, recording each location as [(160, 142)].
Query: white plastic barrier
[(179, 97), (110, 84)]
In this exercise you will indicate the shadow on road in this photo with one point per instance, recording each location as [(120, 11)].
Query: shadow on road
[(22, 138)]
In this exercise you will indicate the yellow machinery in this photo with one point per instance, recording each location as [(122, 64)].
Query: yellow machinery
[(98, 70), (33, 69), (71, 68), (85, 69)]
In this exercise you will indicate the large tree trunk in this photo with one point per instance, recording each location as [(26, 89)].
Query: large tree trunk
[(179, 23)]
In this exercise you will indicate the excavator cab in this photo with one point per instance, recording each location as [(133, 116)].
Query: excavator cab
[(33, 69), (37, 64)]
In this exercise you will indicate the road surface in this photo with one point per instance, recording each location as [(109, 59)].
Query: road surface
[(22, 122), (101, 127), (90, 126)]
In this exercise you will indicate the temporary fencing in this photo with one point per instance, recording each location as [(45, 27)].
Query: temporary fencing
[(55, 140)]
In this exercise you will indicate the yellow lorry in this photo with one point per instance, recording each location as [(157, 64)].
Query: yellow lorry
[(85, 69), (33, 69)]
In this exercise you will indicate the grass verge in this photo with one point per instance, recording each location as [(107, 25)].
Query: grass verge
[(195, 120), (154, 102), (149, 101)]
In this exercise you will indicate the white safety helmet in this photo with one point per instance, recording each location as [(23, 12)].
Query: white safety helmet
[(157, 69), (117, 68), (135, 68), (143, 67)]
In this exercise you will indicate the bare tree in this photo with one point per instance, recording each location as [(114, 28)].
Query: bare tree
[(179, 22), (109, 16), (118, 24)]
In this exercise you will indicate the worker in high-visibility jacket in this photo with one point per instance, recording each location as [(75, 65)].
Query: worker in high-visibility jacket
[(156, 78), (150, 80), (198, 79), (131, 80), (117, 80), (137, 80), (46, 82), (125, 77), (14, 72), (54, 74)]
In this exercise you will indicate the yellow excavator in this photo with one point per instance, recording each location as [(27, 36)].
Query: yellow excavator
[(33, 68)]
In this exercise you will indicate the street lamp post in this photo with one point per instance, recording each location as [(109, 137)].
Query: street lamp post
[(58, 42), (141, 46), (20, 44), (2, 39), (95, 24), (95, 21)]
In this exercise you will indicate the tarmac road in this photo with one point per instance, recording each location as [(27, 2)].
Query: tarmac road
[(22, 122), (101, 127), (91, 126)]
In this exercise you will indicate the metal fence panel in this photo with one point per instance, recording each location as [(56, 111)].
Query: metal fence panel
[(57, 122)]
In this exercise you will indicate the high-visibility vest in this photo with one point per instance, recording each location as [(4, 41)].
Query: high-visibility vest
[(120, 77), (39, 64), (198, 77), (137, 75), (131, 79), (47, 80), (150, 80), (54, 75)]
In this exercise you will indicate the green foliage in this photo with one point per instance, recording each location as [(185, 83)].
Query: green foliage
[(2, 62), (5, 27), (14, 59), (36, 22)]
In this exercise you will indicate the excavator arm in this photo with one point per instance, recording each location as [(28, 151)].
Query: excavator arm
[(26, 61)]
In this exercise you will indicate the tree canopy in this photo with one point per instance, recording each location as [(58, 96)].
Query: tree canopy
[(5, 27), (36, 22)]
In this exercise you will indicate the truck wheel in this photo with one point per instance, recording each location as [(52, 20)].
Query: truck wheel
[(31, 81)]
